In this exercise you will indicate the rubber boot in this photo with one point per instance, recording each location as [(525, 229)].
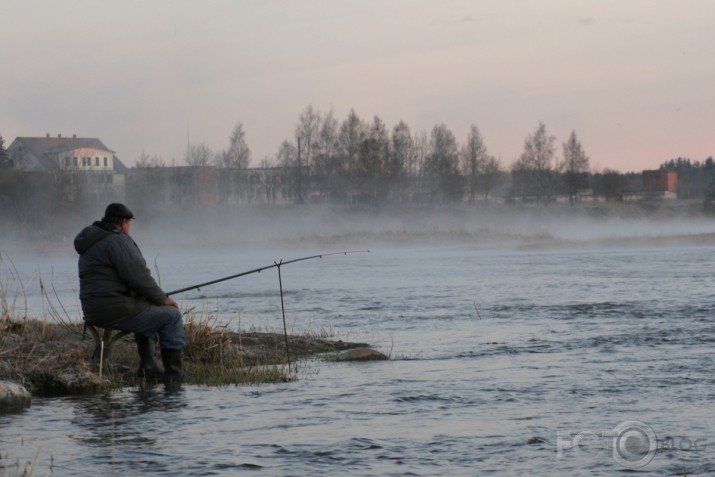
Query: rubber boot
[(173, 371), (148, 367)]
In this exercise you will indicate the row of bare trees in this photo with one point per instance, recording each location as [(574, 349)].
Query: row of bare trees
[(332, 155), (357, 151), (237, 155), (389, 163), (540, 173), (385, 162)]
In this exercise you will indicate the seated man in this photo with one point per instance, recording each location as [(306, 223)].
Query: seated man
[(118, 291)]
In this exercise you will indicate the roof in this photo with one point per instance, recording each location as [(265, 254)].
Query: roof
[(119, 166), (44, 148), (41, 145)]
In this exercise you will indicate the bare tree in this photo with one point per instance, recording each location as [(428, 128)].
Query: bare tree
[(575, 165), (403, 153), (287, 155), (538, 163), (416, 171), (266, 163), (373, 150), (199, 155), (327, 141), (372, 159), (238, 154), (421, 142), (613, 184), (493, 175), (326, 161), (350, 136), (401, 158), (442, 164), (146, 161), (147, 184), (306, 134), (474, 159)]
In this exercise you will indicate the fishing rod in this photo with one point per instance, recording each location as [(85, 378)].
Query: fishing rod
[(278, 266), (258, 270)]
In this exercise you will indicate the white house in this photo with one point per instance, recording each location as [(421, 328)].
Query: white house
[(62, 154), (84, 166)]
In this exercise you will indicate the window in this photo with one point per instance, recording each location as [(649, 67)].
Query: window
[(105, 161), (76, 161), (96, 161)]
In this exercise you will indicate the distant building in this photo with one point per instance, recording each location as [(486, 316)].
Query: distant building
[(85, 166), (57, 154), (181, 185), (207, 185), (660, 183)]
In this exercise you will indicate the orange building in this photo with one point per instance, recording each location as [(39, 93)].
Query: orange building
[(660, 181)]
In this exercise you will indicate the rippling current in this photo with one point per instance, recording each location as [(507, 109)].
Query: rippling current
[(575, 361)]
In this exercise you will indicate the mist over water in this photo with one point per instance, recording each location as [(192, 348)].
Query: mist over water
[(281, 227), (253, 237), (513, 332), (485, 226)]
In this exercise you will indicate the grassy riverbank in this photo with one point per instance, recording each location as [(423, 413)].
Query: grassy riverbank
[(51, 358)]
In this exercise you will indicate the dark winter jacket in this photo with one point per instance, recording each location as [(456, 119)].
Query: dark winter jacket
[(114, 281)]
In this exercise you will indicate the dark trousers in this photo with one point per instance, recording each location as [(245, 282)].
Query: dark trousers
[(162, 321)]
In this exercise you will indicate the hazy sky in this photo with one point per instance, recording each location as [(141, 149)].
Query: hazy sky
[(634, 78)]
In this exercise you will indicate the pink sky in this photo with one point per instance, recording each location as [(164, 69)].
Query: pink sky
[(633, 79)]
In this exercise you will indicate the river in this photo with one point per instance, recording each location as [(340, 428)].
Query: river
[(573, 360)]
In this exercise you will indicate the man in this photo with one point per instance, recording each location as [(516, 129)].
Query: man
[(116, 290)]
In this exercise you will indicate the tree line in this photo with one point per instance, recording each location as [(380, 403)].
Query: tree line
[(330, 156), (391, 164), (398, 164)]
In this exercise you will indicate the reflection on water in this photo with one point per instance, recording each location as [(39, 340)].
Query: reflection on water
[(93, 435), (564, 344), (105, 420)]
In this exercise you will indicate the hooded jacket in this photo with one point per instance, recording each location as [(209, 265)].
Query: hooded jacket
[(114, 281)]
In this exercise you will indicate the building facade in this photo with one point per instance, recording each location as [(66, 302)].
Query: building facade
[(84, 167), (660, 183)]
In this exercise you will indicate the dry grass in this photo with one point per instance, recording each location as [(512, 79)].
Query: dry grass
[(54, 358), (218, 356), (46, 358)]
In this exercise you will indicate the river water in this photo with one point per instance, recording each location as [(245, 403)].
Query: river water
[(508, 360)]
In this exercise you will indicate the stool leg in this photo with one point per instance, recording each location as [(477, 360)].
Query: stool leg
[(97, 353), (102, 348), (103, 345)]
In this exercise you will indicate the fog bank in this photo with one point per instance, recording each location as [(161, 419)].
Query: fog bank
[(330, 226)]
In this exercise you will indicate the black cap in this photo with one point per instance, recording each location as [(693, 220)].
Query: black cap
[(118, 211)]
